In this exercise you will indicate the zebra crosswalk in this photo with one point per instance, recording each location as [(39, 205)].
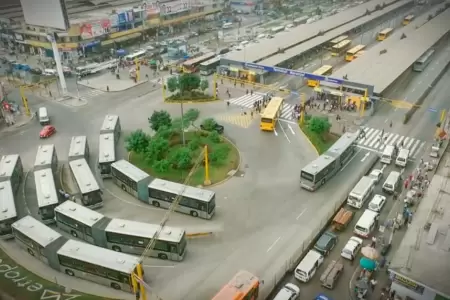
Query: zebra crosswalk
[(248, 100), (86, 94), (375, 142)]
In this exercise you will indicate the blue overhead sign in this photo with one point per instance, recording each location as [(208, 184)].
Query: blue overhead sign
[(293, 73)]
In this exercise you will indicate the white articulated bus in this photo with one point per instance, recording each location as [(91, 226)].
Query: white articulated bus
[(130, 179), (90, 192), (46, 194), (8, 213), (11, 169), (107, 154), (194, 201), (79, 148), (46, 158)]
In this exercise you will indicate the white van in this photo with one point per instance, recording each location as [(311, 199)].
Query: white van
[(50, 72), (388, 154), (366, 224), (44, 119), (391, 183), (361, 192), (227, 25), (308, 266), (402, 157)]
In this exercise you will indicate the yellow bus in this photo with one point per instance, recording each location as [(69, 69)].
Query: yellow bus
[(271, 114), (243, 286), (336, 41), (340, 48), (407, 20), (382, 35), (352, 53), (324, 70)]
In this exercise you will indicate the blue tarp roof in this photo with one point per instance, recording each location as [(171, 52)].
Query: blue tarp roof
[(322, 297), (367, 264)]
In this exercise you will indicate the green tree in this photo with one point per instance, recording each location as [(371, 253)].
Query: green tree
[(188, 82), (214, 137), (160, 118), (182, 158), (172, 84), (194, 144), (156, 150), (319, 125), (165, 132), (209, 124), (204, 85), (137, 141), (191, 115), (219, 154), (161, 166)]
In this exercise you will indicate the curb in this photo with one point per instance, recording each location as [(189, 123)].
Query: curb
[(309, 141), (237, 168), (190, 101), (104, 90), (199, 234)]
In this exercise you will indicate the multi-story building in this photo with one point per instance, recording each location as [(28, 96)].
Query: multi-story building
[(97, 25)]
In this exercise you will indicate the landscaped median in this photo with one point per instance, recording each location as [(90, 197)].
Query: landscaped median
[(172, 152), (187, 88), (19, 283), (317, 130)]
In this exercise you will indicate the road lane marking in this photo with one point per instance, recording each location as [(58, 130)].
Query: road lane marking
[(299, 216), (365, 156), (385, 121), (420, 82), (290, 128), (351, 159), (275, 132), (284, 132), (150, 266), (273, 244), (150, 207)]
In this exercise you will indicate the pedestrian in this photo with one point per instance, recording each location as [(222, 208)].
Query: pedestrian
[(374, 242), (251, 92), (246, 92), (373, 283), (406, 184), (251, 114)]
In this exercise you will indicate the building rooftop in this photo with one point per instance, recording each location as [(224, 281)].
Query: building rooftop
[(317, 41), (371, 67), (302, 33), (424, 252)]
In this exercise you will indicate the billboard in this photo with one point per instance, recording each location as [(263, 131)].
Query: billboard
[(95, 28), (170, 7), (46, 13)]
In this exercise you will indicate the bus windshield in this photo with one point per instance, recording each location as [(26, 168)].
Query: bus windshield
[(271, 114)]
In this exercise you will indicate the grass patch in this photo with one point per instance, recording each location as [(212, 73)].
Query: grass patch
[(217, 172), (19, 283), (321, 143)]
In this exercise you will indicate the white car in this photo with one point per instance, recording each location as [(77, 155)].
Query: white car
[(352, 248), (288, 292), (376, 175), (377, 203)]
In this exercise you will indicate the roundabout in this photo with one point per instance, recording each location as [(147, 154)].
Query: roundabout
[(255, 207), (172, 151)]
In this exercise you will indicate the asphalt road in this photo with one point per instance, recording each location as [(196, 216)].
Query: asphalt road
[(422, 126), (262, 217)]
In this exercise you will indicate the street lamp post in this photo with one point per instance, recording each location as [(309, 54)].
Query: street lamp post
[(182, 118)]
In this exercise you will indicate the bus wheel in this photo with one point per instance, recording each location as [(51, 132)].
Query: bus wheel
[(155, 203), (31, 252), (124, 187), (70, 272), (162, 256), (117, 249), (74, 233), (115, 286), (194, 213), (323, 181)]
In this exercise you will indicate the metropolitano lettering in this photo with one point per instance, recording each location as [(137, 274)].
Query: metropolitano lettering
[(12, 273)]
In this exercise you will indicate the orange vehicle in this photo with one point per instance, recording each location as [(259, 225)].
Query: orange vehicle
[(244, 285)]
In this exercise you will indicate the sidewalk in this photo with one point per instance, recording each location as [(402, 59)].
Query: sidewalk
[(350, 121), (19, 121), (108, 81)]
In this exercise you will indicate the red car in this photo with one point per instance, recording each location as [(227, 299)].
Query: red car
[(47, 131)]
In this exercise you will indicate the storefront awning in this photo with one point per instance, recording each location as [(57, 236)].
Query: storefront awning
[(122, 38)]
